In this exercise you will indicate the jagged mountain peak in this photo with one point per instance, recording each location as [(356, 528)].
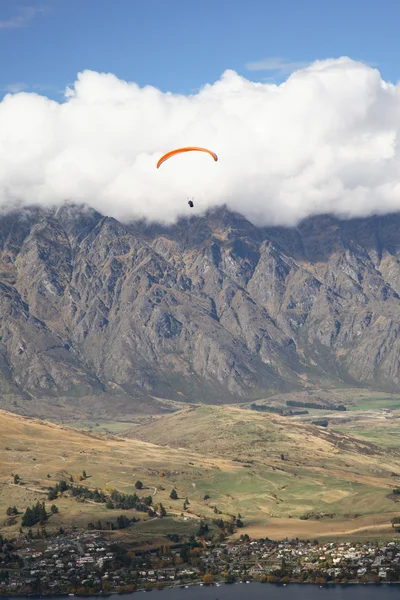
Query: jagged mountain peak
[(212, 308)]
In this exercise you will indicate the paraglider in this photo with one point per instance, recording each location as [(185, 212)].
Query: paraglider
[(186, 149)]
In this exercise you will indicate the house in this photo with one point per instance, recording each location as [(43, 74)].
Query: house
[(257, 569)]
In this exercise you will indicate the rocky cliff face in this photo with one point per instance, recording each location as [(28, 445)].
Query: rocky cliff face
[(212, 309)]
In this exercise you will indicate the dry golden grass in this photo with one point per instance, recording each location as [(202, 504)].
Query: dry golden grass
[(230, 454), (366, 528)]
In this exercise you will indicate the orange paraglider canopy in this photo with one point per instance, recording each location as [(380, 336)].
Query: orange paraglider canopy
[(187, 149)]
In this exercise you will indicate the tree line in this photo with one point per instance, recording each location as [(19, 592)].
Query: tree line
[(339, 407)]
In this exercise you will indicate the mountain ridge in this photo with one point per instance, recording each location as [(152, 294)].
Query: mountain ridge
[(211, 309)]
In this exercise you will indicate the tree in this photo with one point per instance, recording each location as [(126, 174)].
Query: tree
[(122, 522), (63, 486), (206, 497), (162, 511), (138, 485), (84, 475), (208, 578), (52, 495), (173, 495), (34, 514), (184, 553), (54, 509), (203, 529), (17, 479)]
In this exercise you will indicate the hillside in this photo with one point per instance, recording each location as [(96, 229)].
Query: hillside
[(231, 431), (234, 458), (213, 309), (288, 468)]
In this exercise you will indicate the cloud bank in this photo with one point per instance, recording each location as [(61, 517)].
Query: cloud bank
[(324, 141), (22, 18), (276, 64)]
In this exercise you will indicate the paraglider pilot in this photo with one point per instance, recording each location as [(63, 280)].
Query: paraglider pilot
[(191, 204)]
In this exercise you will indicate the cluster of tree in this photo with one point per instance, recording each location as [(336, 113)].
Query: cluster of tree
[(277, 410), (40, 534), (59, 488), (208, 578), (186, 553), (80, 491), (122, 523), (129, 501), (116, 500), (34, 514), (263, 408), (316, 515), (77, 491), (315, 405), (229, 527), (321, 422)]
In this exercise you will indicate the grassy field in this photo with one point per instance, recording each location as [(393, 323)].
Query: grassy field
[(115, 427), (232, 455), (352, 398), (384, 436), (359, 529), (374, 402)]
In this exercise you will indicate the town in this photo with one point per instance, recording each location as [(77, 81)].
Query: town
[(84, 563)]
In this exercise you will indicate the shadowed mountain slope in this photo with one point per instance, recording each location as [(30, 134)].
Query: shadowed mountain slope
[(212, 309)]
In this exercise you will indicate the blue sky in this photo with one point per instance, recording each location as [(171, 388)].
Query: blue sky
[(179, 45)]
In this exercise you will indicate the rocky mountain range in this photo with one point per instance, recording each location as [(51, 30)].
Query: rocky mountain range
[(212, 309)]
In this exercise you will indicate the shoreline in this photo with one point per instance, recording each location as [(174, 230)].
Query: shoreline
[(328, 584)]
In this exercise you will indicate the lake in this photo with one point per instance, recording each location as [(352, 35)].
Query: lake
[(259, 591)]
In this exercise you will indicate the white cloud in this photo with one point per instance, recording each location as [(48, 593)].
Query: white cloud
[(22, 18), (20, 86), (280, 65), (325, 140), (15, 87)]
